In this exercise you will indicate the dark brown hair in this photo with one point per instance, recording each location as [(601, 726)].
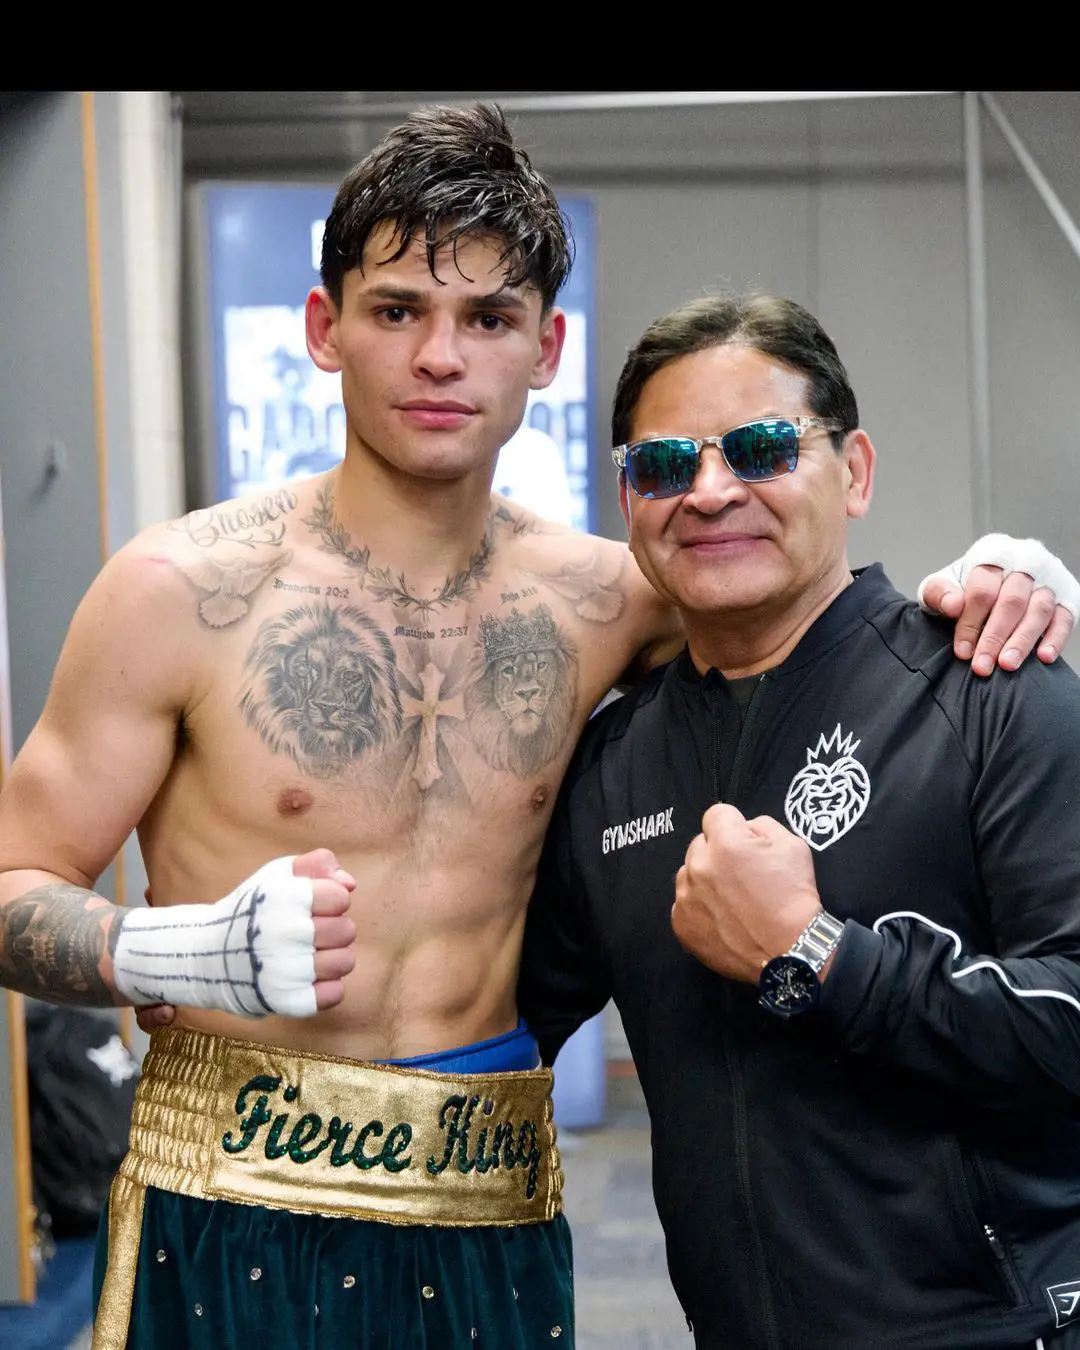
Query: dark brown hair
[(447, 174), (772, 325)]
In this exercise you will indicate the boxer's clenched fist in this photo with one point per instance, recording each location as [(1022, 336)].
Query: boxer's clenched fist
[(281, 942)]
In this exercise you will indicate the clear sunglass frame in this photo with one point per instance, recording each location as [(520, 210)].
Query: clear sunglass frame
[(800, 425)]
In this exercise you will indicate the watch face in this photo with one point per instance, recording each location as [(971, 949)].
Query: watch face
[(788, 985)]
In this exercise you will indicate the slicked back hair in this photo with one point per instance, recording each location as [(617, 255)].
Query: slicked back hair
[(770, 324), (447, 174)]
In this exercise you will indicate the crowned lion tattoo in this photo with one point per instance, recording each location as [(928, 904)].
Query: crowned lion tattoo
[(321, 686), (521, 706)]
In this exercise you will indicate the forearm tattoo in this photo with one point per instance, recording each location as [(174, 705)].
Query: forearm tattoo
[(52, 941)]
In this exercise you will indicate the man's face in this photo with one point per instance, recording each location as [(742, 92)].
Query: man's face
[(435, 370), (727, 546)]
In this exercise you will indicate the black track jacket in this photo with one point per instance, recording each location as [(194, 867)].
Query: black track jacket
[(900, 1166)]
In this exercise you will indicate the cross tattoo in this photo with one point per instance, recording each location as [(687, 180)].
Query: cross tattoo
[(428, 708)]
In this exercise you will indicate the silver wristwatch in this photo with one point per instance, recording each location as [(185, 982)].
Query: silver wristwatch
[(790, 984)]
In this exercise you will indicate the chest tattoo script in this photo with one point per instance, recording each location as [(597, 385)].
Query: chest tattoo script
[(258, 522), (323, 685), (380, 582), (499, 1145)]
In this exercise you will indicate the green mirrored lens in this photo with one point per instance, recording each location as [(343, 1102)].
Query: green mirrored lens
[(662, 468), (763, 449)]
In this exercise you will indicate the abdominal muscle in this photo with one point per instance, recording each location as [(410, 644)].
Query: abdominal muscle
[(437, 949)]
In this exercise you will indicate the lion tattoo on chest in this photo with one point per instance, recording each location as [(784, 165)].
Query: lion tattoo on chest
[(321, 686), (521, 705)]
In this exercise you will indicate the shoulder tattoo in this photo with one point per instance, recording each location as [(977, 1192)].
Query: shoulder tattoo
[(257, 522), (593, 586), (226, 587)]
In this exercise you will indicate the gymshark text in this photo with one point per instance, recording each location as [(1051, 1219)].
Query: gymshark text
[(634, 831)]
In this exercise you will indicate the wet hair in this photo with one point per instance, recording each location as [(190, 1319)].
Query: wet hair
[(770, 324), (449, 174)]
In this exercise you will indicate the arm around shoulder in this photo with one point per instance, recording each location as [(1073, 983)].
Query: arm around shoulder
[(995, 980)]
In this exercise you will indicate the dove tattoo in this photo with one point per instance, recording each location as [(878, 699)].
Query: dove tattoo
[(592, 586), (227, 587)]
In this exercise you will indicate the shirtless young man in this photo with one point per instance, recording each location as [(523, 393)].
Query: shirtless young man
[(349, 720)]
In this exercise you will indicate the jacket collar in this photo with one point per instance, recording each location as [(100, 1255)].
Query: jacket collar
[(870, 591)]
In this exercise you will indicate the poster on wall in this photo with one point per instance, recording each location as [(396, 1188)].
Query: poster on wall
[(277, 417)]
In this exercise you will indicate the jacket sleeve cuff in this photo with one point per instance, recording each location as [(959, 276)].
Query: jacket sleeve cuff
[(845, 991)]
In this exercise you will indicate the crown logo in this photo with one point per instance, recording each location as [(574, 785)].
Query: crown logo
[(833, 748), (517, 633)]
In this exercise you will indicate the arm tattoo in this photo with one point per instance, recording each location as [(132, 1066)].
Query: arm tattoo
[(52, 942)]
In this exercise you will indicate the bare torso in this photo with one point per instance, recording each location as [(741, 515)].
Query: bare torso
[(421, 737)]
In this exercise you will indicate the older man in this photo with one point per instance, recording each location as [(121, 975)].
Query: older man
[(832, 882)]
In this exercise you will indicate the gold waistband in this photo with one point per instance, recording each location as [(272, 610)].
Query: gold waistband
[(260, 1125)]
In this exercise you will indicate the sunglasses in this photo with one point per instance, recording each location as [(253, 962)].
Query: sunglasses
[(665, 466)]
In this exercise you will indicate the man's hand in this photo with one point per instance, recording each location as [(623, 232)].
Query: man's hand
[(1006, 594), (335, 935), (335, 931), (744, 894), (154, 1015)]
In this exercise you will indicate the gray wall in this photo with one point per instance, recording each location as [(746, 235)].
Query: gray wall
[(46, 400), (46, 389), (54, 542), (857, 208)]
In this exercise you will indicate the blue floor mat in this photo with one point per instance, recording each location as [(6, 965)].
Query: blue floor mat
[(62, 1307)]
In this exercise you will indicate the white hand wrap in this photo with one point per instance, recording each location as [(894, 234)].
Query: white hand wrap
[(1013, 555), (251, 953)]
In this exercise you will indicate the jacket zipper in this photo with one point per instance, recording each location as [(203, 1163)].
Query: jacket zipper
[(761, 1270), (742, 745), (979, 1187), (1001, 1256)]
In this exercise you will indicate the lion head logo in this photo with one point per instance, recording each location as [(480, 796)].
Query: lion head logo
[(521, 706), (829, 794), (321, 686)]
